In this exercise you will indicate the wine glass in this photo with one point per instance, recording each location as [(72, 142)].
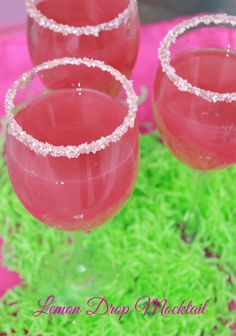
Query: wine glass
[(195, 94), (98, 29), (72, 154), (72, 157)]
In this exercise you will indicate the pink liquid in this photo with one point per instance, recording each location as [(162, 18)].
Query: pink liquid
[(117, 47), (200, 134), (73, 194)]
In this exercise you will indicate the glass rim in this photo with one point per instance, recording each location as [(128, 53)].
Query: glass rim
[(71, 151), (165, 56), (64, 29)]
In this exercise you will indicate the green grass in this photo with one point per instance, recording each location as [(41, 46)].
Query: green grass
[(145, 248)]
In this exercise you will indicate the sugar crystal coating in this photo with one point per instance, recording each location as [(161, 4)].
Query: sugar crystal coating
[(71, 152), (165, 57), (47, 23)]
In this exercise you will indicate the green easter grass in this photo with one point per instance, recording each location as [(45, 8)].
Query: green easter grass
[(146, 249)]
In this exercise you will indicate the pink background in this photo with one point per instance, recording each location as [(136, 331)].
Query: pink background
[(11, 12)]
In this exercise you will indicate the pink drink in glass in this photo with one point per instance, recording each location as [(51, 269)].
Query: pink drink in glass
[(117, 47), (199, 133), (73, 194)]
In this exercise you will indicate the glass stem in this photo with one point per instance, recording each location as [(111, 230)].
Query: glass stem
[(2, 134), (76, 251), (194, 213)]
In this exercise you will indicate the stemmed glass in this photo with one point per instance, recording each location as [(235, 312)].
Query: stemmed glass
[(195, 94), (98, 29), (72, 154)]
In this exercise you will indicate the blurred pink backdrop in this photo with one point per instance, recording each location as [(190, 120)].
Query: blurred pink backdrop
[(11, 12)]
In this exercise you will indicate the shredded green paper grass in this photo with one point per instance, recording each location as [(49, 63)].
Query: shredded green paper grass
[(151, 252)]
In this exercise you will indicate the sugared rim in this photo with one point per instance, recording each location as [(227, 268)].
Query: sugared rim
[(44, 149), (165, 56), (46, 22)]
